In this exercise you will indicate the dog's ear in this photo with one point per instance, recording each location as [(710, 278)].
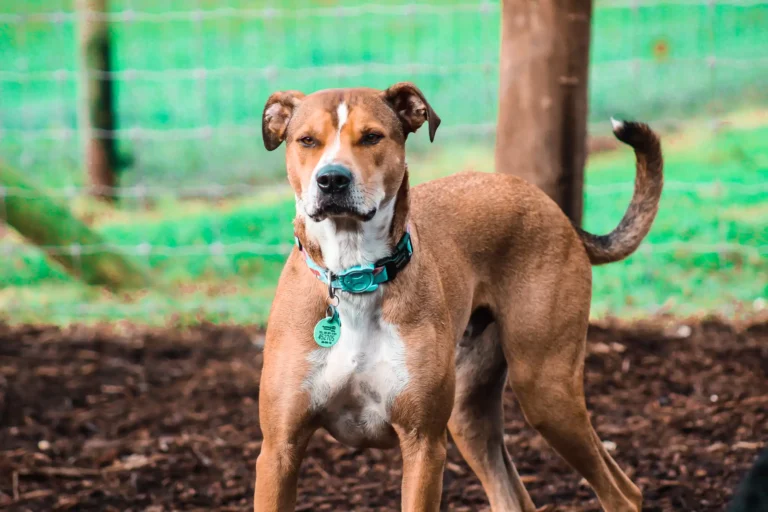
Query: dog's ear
[(277, 113), (412, 108)]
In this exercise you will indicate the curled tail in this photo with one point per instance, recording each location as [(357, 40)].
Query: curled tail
[(622, 241)]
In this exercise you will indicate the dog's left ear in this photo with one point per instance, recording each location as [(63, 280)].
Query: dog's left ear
[(277, 113), (412, 108)]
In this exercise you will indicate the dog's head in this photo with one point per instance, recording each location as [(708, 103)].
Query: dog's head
[(345, 151)]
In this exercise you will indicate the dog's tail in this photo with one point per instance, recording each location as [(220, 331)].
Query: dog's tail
[(622, 241)]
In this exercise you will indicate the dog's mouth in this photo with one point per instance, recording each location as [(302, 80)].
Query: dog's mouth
[(329, 208)]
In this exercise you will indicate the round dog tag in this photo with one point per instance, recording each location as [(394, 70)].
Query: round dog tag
[(328, 331)]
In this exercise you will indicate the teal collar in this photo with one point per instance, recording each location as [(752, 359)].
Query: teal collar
[(364, 278)]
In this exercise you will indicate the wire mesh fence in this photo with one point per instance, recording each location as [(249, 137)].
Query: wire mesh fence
[(191, 76), (200, 201)]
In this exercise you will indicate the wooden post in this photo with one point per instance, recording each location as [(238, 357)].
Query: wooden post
[(51, 225), (96, 109), (542, 125)]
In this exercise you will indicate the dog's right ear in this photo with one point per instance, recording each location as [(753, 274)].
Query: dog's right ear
[(277, 114)]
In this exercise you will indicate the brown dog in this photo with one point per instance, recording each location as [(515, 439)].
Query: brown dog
[(498, 286)]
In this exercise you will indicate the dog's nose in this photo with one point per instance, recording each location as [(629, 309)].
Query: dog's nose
[(334, 179)]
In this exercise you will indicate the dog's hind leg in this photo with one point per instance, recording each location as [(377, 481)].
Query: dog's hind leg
[(477, 422), (554, 405), (545, 347)]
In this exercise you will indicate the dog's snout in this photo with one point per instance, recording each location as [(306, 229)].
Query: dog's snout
[(334, 179)]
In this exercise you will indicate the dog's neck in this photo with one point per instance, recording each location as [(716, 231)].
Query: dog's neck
[(338, 244)]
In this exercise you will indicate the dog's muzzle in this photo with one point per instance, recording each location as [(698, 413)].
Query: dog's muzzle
[(337, 195)]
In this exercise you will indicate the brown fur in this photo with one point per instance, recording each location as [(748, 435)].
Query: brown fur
[(649, 180), (498, 290)]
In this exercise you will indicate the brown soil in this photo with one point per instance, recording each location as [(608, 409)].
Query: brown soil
[(128, 419)]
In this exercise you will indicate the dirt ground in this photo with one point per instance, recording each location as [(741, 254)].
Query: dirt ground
[(119, 419)]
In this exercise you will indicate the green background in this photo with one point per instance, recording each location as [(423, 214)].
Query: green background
[(190, 90), (655, 61)]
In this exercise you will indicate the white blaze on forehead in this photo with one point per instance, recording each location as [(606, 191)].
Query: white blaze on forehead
[(342, 112), (330, 154)]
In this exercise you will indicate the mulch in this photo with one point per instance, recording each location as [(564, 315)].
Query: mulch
[(120, 418)]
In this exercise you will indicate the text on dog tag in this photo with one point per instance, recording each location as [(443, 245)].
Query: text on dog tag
[(328, 331)]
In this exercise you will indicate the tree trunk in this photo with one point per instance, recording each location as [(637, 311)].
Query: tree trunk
[(542, 125), (62, 236), (96, 110)]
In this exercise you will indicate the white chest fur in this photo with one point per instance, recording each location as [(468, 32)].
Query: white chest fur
[(353, 384)]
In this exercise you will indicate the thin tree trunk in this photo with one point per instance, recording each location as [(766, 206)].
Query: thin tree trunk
[(96, 110), (542, 125), (50, 225)]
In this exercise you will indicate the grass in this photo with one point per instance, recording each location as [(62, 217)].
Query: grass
[(706, 252)]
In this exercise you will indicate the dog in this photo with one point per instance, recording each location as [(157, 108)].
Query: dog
[(402, 313)]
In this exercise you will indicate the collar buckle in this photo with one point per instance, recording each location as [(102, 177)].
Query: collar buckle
[(359, 279)]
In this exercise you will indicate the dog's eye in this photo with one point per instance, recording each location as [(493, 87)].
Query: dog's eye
[(369, 139), (307, 141)]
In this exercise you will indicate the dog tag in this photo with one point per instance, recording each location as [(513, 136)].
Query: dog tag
[(328, 330)]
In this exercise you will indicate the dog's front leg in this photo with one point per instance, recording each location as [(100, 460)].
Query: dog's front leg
[(420, 414), (423, 464), (277, 472), (286, 425)]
